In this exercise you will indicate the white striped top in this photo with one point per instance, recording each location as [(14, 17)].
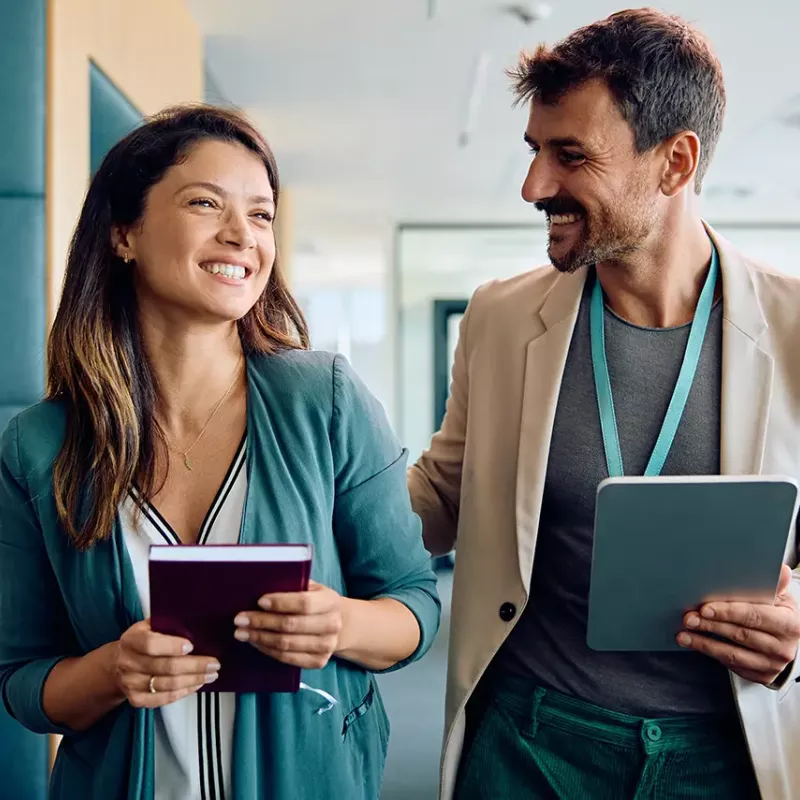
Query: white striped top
[(193, 737)]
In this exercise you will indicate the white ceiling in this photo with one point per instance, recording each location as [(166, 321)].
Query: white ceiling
[(364, 101)]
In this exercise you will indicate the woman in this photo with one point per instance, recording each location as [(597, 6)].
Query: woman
[(183, 406)]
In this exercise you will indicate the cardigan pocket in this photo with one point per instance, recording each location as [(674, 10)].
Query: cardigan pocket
[(362, 708), (372, 698), (70, 760), (365, 737)]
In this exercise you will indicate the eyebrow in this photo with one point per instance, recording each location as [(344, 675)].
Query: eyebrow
[(563, 141), (213, 187)]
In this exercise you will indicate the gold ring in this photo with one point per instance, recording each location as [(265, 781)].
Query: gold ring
[(153, 685)]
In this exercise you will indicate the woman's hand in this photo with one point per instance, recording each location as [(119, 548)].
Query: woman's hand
[(142, 654), (298, 628)]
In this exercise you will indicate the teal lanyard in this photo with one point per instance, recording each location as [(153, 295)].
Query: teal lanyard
[(602, 381)]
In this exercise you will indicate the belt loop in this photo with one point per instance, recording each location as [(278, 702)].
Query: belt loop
[(538, 696)]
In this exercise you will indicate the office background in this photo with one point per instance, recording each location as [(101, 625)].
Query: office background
[(402, 160)]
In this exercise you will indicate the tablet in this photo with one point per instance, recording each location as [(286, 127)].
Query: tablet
[(666, 545)]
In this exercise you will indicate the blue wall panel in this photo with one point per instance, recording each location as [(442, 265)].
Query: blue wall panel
[(22, 97), (23, 755), (23, 289), (113, 115), (22, 299)]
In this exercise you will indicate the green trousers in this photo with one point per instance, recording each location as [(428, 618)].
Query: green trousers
[(535, 744)]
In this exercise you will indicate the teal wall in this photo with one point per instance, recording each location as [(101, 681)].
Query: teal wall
[(112, 115), (22, 186), (23, 292)]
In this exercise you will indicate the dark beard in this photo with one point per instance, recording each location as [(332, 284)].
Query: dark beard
[(585, 254), (617, 240), (581, 254), (604, 236), (577, 255)]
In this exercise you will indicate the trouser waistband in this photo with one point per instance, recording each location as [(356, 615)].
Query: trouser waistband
[(657, 733)]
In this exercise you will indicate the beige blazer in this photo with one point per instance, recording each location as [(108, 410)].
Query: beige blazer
[(479, 486)]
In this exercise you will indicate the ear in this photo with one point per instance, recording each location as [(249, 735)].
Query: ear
[(682, 153), (122, 244)]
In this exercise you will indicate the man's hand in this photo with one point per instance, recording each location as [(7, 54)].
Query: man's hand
[(762, 640)]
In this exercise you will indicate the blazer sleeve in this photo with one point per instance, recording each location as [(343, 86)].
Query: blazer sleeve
[(434, 482), (377, 533), (789, 679), (794, 668), (35, 631)]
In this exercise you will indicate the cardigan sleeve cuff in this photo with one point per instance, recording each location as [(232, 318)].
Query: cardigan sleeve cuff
[(425, 606), (22, 696)]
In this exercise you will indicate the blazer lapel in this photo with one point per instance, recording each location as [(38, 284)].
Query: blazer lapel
[(747, 369), (544, 368)]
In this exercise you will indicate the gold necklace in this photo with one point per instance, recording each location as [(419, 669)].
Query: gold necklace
[(217, 407)]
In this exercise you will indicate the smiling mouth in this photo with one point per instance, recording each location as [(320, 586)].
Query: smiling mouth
[(233, 271), (564, 219)]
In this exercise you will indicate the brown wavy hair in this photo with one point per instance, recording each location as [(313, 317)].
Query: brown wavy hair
[(96, 363)]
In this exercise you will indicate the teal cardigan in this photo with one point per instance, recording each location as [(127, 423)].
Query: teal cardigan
[(323, 467)]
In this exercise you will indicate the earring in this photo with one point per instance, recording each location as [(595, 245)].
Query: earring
[(126, 258)]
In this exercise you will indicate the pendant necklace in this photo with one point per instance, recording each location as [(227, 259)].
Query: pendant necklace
[(185, 453)]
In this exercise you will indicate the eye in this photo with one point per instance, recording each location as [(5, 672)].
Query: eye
[(572, 158), (203, 202), (534, 151), (264, 215)]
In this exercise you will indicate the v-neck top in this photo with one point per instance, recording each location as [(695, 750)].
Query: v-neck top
[(193, 736)]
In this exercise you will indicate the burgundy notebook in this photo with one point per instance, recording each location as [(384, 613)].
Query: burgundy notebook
[(197, 590)]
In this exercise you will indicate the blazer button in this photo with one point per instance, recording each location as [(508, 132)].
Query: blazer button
[(507, 612)]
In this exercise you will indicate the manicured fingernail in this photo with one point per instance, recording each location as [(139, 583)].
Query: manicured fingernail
[(242, 636), (212, 677), (684, 640), (187, 648), (265, 603), (242, 619), (693, 620), (211, 668), (708, 612)]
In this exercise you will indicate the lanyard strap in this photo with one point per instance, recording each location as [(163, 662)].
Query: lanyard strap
[(602, 381)]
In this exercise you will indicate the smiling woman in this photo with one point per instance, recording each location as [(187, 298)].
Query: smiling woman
[(192, 224), (180, 393), (150, 223)]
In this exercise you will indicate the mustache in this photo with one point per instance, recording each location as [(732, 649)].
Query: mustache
[(559, 205)]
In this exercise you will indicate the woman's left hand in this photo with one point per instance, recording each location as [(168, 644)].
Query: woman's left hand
[(297, 628)]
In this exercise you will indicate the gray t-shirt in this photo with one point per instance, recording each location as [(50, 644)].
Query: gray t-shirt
[(548, 645)]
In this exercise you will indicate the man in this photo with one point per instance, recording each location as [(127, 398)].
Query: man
[(624, 118)]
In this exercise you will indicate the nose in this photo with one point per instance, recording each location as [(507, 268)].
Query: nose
[(235, 230), (540, 183)]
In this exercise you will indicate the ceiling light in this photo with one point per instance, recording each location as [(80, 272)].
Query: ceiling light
[(475, 98), (528, 13)]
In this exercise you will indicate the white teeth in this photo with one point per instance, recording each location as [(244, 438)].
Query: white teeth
[(564, 219), (228, 270)]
